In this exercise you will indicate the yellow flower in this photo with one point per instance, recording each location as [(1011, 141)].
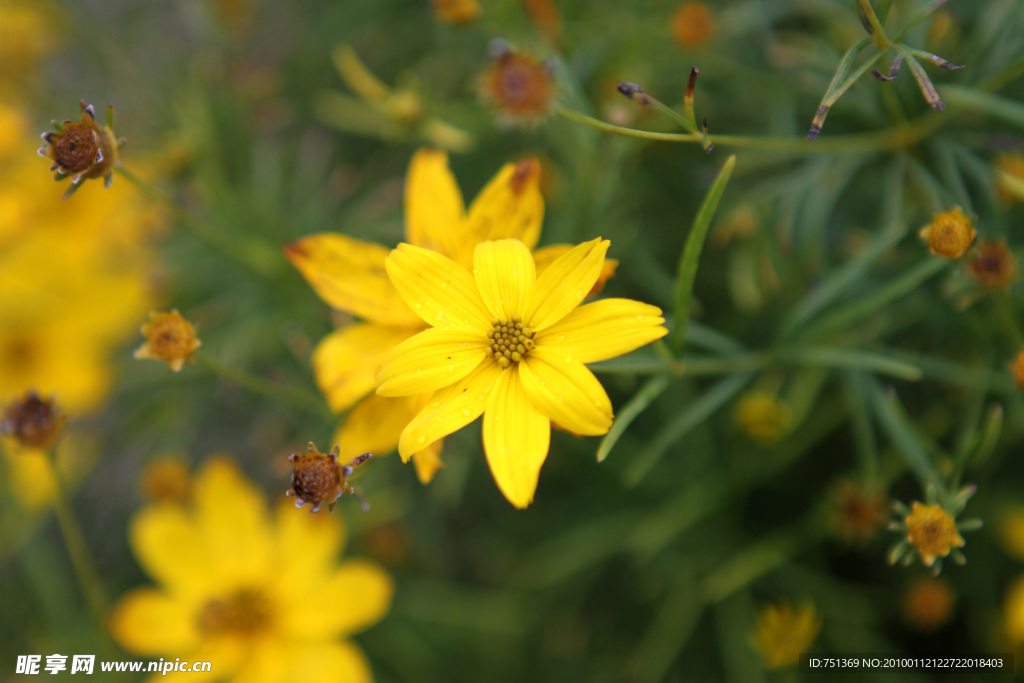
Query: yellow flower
[(1018, 369), (763, 416), (82, 150), (783, 632), (509, 344), (519, 86), (257, 595), (1009, 176), (928, 604), (27, 33), (949, 234), (932, 531), (693, 24), (1013, 613), (170, 338), (456, 11), (349, 275)]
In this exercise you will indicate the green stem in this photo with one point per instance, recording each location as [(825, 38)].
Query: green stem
[(859, 143), (257, 256), (74, 540), (877, 32), (258, 385)]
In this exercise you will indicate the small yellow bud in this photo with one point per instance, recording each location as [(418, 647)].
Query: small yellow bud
[(949, 234), (169, 338)]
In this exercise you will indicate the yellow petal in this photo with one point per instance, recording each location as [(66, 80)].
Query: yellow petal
[(150, 622), (565, 283), (231, 516), (305, 545), (505, 275), (439, 290), (604, 329), (287, 661), (170, 549), (349, 275), (225, 654), (450, 409), (345, 361), (545, 256), (429, 361), (375, 424), (351, 599), (566, 391), (434, 212), (516, 440), (428, 461), (509, 207)]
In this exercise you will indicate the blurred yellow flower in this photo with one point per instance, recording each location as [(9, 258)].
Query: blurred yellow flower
[(1013, 613), (349, 275), (949, 234), (27, 33), (928, 604), (693, 24), (1009, 176), (763, 416), (511, 345), (783, 632), (74, 277), (259, 596), (456, 11)]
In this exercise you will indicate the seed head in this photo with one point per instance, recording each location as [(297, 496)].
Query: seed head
[(994, 265), (33, 422), (319, 478), (82, 150), (520, 86)]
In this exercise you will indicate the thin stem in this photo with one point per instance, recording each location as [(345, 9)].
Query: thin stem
[(258, 385), (860, 143), (74, 540), (257, 256), (877, 32)]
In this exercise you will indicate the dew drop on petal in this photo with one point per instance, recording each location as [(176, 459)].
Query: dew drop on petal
[(423, 437), (435, 404), (466, 412)]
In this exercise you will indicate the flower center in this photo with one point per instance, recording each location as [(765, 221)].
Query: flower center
[(77, 148), (243, 613), (509, 341)]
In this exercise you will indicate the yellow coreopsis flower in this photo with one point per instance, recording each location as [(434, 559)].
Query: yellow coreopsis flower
[(258, 596), (349, 275), (511, 345), (784, 631)]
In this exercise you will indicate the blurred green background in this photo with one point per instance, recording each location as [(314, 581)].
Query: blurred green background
[(813, 289)]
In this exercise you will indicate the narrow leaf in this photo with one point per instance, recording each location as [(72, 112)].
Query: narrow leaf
[(690, 258), (643, 398)]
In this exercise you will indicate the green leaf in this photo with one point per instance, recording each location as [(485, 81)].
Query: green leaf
[(693, 415), (690, 258), (854, 313), (643, 398), (904, 437)]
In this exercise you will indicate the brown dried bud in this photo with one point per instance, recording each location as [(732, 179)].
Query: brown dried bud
[(32, 421)]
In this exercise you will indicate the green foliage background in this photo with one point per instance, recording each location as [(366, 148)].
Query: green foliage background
[(650, 565)]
